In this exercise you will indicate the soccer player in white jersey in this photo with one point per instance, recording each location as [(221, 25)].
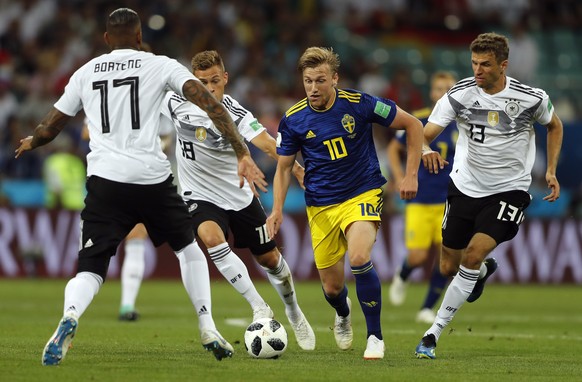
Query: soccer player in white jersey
[(129, 177), (491, 175), (209, 185), (133, 267)]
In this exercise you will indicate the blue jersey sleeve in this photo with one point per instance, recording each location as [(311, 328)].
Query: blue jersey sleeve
[(287, 144), (379, 110)]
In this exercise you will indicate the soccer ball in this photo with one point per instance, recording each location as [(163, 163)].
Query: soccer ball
[(265, 338)]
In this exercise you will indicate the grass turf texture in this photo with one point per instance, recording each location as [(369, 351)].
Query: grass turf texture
[(512, 333)]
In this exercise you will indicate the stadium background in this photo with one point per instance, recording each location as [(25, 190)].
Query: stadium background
[(387, 47)]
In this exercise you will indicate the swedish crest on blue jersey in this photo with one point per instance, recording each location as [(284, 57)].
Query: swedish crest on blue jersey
[(348, 123)]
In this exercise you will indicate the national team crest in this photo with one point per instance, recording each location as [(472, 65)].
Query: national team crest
[(512, 109), (201, 134), (493, 118), (348, 123)]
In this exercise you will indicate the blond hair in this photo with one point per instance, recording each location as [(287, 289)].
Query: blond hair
[(443, 75), (316, 56), (206, 60)]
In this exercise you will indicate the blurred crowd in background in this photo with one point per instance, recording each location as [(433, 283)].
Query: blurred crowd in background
[(387, 47)]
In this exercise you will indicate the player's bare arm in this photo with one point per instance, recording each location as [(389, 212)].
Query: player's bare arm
[(414, 139), (555, 136), (247, 169), (281, 183), (267, 144), (432, 160), (46, 131), (393, 152)]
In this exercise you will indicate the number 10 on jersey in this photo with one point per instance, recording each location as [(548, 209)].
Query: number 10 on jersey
[(336, 147)]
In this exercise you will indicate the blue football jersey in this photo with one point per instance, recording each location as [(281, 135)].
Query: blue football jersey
[(337, 145)]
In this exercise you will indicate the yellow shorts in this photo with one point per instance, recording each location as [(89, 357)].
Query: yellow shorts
[(329, 223), (423, 225)]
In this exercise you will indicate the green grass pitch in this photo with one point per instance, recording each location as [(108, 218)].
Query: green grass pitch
[(513, 333)]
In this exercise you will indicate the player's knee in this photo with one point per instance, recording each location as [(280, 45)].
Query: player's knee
[(332, 289), (473, 261), (358, 259), (474, 256), (448, 268), (211, 240), (270, 259)]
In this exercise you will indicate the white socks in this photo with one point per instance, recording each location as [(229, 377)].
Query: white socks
[(196, 280), (236, 273), (79, 293), (282, 280), (132, 272), (455, 296)]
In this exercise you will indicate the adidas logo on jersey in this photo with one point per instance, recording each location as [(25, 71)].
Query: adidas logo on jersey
[(88, 243), (310, 134), (476, 104)]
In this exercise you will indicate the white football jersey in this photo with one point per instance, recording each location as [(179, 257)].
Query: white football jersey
[(495, 150), (207, 163), (122, 93)]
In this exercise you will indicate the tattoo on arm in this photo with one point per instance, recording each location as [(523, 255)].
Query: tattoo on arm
[(196, 93), (49, 128)]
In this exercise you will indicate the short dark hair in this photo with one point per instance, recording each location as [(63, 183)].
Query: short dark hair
[(206, 60), (492, 42), (122, 21)]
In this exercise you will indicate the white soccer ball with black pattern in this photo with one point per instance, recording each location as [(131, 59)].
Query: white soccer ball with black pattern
[(265, 338)]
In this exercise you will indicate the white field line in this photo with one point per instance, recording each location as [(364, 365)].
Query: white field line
[(242, 322), (525, 336)]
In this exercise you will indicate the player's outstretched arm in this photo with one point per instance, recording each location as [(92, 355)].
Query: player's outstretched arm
[(554, 146), (267, 144), (281, 183), (432, 160), (247, 169), (414, 139), (46, 131), (393, 152)]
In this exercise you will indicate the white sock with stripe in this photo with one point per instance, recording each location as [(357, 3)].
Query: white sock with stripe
[(455, 296)]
